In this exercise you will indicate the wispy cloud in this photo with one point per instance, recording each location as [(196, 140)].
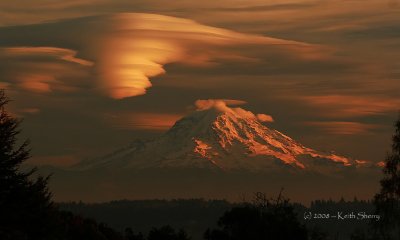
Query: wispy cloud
[(342, 106), (51, 52), (142, 120), (54, 160), (345, 128), (264, 117), (41, 69)]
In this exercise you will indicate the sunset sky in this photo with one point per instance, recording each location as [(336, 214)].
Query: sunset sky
[(90, 76)]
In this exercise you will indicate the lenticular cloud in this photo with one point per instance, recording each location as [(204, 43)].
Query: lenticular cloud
[(223, 105), (117, 55)]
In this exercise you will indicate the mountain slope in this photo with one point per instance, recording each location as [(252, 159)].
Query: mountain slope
[(220, 137)]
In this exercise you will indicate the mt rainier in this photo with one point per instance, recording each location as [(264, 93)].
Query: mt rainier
[(217, 151), (217, 136)]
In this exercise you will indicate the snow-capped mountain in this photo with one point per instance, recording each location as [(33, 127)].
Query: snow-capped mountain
[(217, 136), (217, 151)]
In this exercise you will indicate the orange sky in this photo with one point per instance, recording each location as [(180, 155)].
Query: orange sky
[(326, 72)]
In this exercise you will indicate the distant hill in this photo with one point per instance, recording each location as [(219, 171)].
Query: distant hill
[(196, 215)]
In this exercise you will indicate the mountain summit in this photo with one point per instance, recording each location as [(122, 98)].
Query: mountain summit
[(217, 151), (221, 137)]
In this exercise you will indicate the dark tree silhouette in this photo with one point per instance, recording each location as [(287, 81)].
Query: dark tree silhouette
[(25, 202), (130, 235), (74, 227), (262, 219), (167, 233), (387, 201)]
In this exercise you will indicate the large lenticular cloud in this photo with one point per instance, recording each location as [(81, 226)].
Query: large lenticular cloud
[(122, 52), (138, 46)]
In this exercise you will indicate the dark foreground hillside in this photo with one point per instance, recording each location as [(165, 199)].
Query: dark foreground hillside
[(197, 215)]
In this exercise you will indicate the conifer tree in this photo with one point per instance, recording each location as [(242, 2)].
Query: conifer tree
[(25, 202), (387, 201)]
